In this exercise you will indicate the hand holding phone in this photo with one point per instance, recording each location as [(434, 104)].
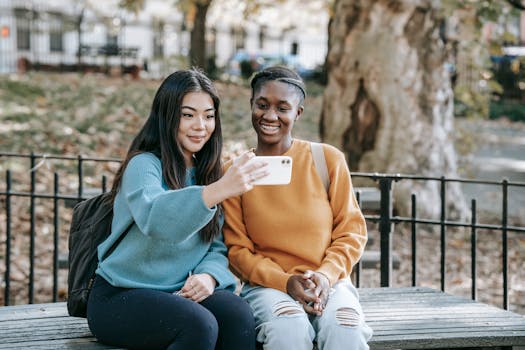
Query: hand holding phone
[(278, 167)]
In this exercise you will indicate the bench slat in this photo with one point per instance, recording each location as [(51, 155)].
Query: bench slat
[(412, 317), (29, 311), (422, 318), (415, 342), (59, 344)]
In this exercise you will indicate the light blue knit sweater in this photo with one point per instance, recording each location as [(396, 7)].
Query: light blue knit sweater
[(164, 244)]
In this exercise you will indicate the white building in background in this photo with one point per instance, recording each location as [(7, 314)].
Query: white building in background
[(291, 28), (45, 34)]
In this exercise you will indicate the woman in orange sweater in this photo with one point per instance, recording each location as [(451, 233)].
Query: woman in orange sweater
[(294, 245)]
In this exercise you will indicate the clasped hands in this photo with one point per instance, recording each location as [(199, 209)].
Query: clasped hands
[(198, 287), (311, 290)]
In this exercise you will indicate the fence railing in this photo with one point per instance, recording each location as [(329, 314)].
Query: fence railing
[(49, 199), (34, 163), (386, 219)]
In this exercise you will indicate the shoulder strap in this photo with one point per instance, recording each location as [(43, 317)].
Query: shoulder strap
[(122, 235), (320, 163)]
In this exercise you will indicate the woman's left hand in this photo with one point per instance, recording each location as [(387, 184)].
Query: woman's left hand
[(198, 287), (320, 286)]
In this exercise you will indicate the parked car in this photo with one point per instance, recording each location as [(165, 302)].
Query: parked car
[(245, 64)]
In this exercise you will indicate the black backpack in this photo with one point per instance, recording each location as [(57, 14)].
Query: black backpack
[(90, 226)]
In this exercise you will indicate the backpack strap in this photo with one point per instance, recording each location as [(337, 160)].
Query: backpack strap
[(320, 163), (116, 243)]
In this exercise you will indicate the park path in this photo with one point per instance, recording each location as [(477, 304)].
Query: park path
[(499, 154)]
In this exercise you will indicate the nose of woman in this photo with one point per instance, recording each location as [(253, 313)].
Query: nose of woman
[(271, 114), (199, 123)]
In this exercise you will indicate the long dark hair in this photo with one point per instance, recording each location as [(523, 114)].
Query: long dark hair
[(158, 136)]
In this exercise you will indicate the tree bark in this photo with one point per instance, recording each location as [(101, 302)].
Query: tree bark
[(388, 102), (80, 19), (198, 35)]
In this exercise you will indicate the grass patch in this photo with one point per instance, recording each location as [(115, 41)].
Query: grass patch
[(13, 90), (18, 117)]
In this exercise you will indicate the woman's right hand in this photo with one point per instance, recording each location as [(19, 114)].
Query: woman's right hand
[(302, 290), (240, 175), (320, 286), (237, 180)]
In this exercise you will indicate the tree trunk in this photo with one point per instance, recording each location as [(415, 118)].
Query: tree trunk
[(198, 35), (80, 19), (388, 102)]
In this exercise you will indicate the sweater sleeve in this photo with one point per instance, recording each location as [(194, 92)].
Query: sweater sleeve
[(160, 213), (251, 266), (349, 234), (215, 263)]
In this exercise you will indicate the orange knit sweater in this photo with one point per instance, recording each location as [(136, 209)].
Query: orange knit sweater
[(273, 232)]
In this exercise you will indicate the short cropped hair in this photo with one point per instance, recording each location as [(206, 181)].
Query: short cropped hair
[(279, 73)]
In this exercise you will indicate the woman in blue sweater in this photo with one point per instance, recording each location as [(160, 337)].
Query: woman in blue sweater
[(167, 283)]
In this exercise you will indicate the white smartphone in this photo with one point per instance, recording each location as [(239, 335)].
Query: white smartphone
[(279, 168)]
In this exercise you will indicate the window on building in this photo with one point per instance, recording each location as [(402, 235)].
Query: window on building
[(56, 33), (23, 28), (239, 36), (112, 39), (23, 39), (56, 42), (158, 39), (111, 48), (295, 48), (262, 36)]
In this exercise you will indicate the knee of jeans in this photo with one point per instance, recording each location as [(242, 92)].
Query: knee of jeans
[(347, 317), (287, 308)]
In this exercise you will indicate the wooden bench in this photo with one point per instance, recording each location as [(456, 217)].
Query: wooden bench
[(402, 318)]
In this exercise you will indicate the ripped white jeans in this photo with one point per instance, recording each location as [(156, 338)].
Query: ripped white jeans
[(281, 323)]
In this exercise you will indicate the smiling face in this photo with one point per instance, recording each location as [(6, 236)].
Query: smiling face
[(197, 123), (275, 108)]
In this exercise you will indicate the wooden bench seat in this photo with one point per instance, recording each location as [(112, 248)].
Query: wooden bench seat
[(402, 318)]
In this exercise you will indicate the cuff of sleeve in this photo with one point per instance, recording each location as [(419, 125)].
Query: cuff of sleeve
[(223, 277), (212, 209), (331, 273), (282, 281)]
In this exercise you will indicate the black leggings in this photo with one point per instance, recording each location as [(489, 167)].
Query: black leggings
[(151, 319)]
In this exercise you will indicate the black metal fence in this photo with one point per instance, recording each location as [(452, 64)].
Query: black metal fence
[(49, 199), (23, 183), (386, 219)]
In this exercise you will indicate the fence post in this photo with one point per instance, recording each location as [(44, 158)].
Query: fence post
[(7, 237), (504, 239), (32, 230), (385, 230), (414, 240), (56, 234), (443, 234), (473, 245), (80, 173)]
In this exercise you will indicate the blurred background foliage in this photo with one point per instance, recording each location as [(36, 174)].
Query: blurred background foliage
[(493, 83)]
